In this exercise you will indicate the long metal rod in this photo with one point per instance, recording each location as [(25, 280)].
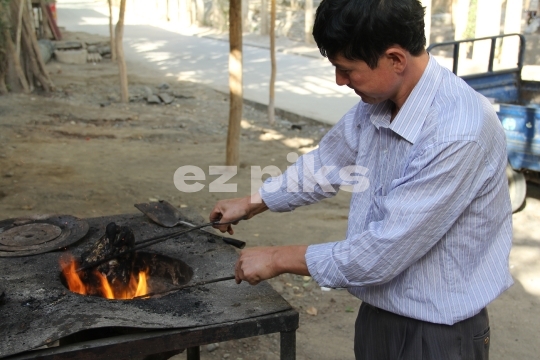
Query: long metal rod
[(181, 287), (149, 242)]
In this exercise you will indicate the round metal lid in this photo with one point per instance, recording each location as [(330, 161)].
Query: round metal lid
[(39, 234)]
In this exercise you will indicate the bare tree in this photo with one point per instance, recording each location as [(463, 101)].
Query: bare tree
[(119, 35), (9, 51), (235, 82), (21, 65), (271, 106)]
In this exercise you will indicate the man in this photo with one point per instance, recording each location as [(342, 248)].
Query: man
[(428, 241)]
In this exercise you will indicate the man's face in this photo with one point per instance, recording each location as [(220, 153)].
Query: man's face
[(372, 85)]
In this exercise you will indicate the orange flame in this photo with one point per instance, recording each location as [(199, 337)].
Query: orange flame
[(75, 284)]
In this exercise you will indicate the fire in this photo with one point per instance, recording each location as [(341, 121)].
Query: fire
[(137, 286)]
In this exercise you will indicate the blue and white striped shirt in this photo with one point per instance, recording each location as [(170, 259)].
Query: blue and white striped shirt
[(430, 226)]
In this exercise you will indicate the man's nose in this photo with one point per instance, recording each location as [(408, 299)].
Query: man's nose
[(341, 78)]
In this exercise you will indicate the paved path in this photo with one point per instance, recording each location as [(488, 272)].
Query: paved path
[(304, 85)]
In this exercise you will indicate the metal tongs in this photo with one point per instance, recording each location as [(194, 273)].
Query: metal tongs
[(165, 214), (155, 240)]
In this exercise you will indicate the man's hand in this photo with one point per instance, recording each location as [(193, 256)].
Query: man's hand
[(262, 263), (232, 209)]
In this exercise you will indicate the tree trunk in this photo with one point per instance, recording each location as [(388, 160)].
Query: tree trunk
[(264, 18), (11, 51), (271, 106), (235, 82), (15, 60), (308, 26), (29, 41), (119, 35), (111, 32), (25, 65)]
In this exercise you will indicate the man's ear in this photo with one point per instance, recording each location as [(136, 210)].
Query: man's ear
[(397, 58)]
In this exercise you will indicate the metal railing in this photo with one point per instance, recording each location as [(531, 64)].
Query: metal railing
[(456, 44)]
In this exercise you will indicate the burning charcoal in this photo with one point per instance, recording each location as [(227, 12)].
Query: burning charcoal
[(117, 239)]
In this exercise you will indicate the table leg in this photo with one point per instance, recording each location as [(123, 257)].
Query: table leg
[(194, 353), (288, 345)]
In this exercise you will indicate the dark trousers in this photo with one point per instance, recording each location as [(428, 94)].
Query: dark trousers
[(382, 335)]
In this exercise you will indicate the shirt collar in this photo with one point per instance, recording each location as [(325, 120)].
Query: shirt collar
[(409, 121)]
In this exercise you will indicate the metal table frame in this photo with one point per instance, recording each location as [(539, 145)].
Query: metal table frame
[(137, 346)]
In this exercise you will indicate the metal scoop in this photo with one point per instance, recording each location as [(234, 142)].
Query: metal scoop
[(165, 214)]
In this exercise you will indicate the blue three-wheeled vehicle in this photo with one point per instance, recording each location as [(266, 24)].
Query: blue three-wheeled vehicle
[(517, 103)]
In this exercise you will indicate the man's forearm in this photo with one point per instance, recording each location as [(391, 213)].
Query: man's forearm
[(291, 259), (261, 263), (256, 204)]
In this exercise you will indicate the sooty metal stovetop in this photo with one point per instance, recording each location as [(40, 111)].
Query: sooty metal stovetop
[(36, 309)]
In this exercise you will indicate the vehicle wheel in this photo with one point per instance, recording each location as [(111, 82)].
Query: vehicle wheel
[(517, 185)]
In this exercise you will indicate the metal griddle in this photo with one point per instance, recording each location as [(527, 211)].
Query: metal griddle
[(39, 234)]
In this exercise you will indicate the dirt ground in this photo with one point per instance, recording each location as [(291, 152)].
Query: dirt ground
[(79, 151)]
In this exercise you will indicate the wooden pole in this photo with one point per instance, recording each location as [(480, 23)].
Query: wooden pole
[(111, 32), (235, 82), (119, 35), (271, 106)]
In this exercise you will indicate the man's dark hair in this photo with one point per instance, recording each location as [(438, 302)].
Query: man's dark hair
[(365, 29)]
